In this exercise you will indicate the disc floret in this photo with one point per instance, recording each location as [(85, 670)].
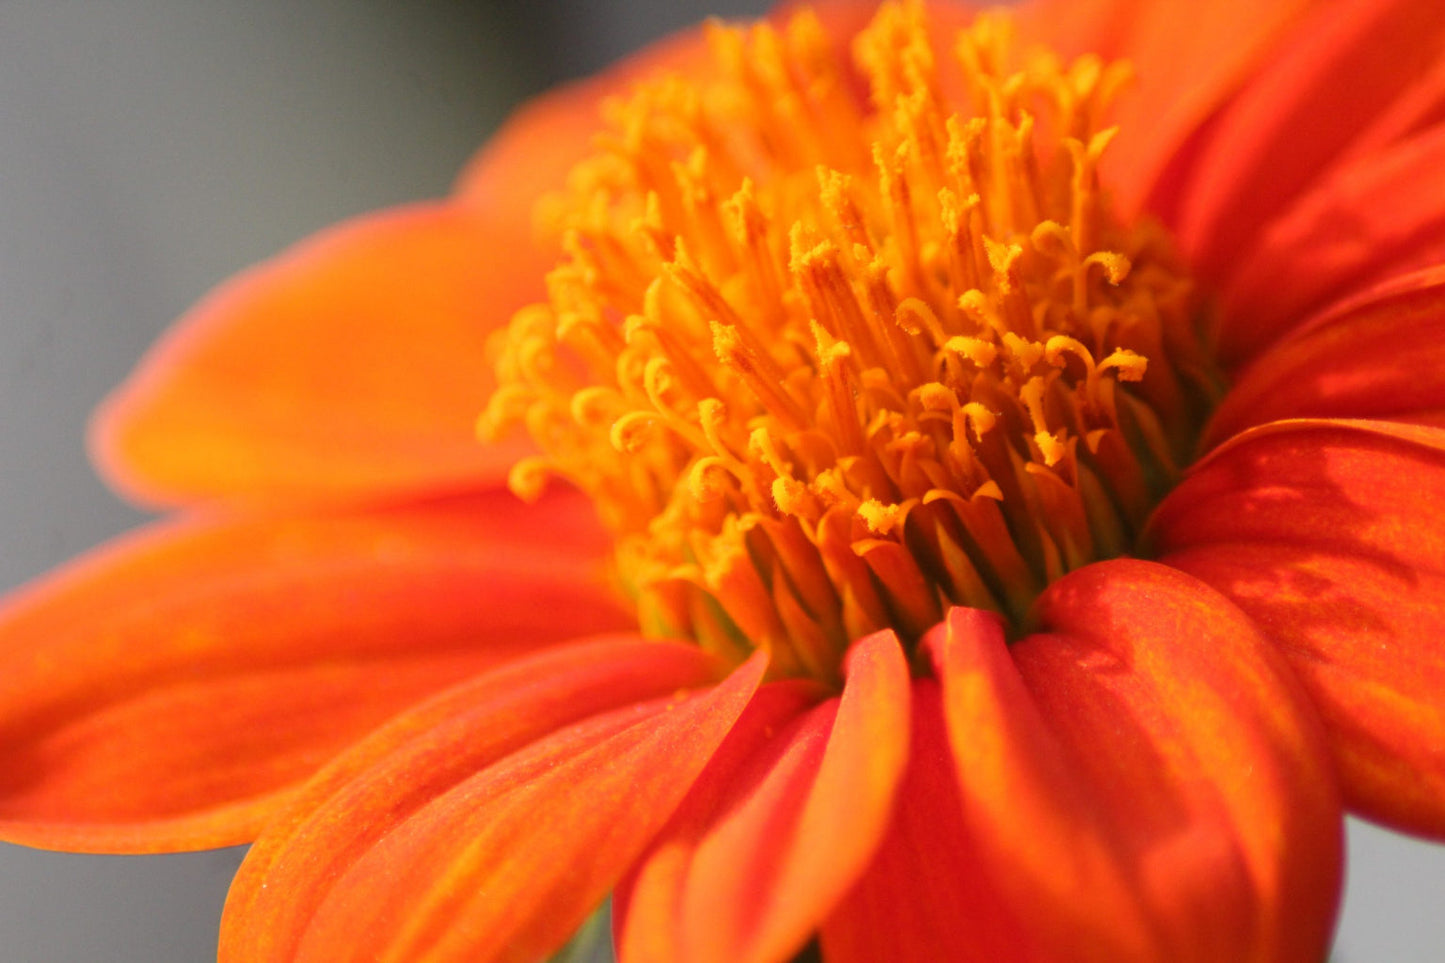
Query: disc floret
[(830, 364)]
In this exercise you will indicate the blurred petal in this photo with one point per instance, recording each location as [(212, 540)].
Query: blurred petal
[(488, 823), (1381, 355), (1188, 57), (1420, 107), (1330, 536), (1344, 65), (352, 365), (1073, 28), (769, 841), (160, 693), (539, 144), (1381, 215)]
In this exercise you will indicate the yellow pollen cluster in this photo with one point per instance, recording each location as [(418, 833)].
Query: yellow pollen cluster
[(838, 342)]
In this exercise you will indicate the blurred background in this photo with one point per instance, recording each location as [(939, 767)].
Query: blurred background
[(149, 149)]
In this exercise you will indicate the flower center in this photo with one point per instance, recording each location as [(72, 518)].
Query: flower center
[(829, 363)]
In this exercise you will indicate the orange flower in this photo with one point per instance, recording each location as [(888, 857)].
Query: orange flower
[(881, 358)]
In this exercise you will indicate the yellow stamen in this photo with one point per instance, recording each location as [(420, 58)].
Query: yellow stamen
[(829, 366)]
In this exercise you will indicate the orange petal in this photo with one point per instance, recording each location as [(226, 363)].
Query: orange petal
[(776, 831), (647, 905), (1377, 216), (1330, 536), (163, 692), (920, 900), (1345, 65), (1141, 783), (1379, 355), (352, 365), (486, 824)]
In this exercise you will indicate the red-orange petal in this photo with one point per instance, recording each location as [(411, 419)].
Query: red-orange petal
[(1139, 781), (164, 692), (770, 839), (1379, 355), (351, 366), (1379, 215), (1178, 714), (488, 823), (1344, 65), (1330, 536), (1189, 59)]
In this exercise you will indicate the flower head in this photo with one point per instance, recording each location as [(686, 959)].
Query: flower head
[(1015, 526)]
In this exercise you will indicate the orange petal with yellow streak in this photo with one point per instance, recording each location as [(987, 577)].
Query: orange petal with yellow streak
[(920, 900), (777, 830), (1210, 765), (486, 824), (351, 366), (1139, 781), (164, 692), (1329, 534)]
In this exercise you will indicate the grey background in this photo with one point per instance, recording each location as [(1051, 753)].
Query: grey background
[(150, 148)]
